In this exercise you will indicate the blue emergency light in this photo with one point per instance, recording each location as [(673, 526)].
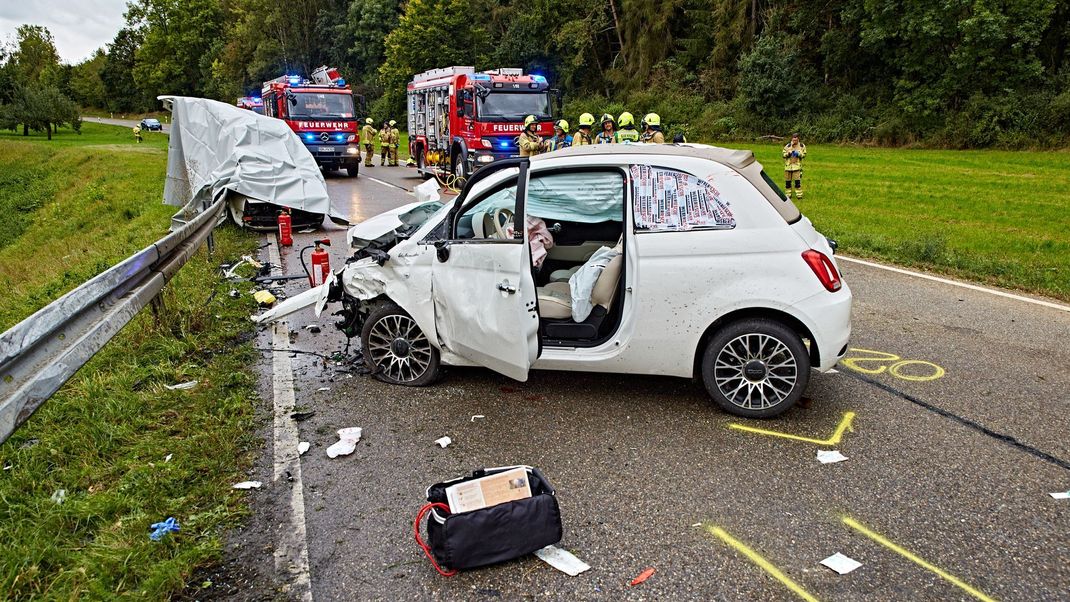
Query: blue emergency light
[(340, 137), (538, 78), (481, 77), (310, 137), (295, 79), (340, 82), (505, 144)]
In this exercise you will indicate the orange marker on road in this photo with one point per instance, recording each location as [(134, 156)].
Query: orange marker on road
[(643, 576)]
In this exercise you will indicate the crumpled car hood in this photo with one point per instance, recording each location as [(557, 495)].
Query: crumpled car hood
[(385, 229)]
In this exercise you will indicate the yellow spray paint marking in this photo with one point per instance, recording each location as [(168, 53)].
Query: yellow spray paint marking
[(837, 435), (764, 564), (857, 526), (879, 362)]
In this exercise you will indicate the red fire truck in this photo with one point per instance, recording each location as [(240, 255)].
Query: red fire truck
[(322, 111), (253, 103), (460, 120)]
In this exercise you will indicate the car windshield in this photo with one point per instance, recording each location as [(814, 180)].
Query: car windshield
[(514, 106), (151, 121), (319, 104)]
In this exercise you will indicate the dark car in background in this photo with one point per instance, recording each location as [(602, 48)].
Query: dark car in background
[(152, 125)]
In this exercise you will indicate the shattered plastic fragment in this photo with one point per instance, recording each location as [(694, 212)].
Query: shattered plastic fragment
[(443, 442), (347, 442), (1061, 495), (841, 564), (163, 528), (264, 297), (643, 576), (302, 447), (562, 560), (324, 389), (168, 457), (181, 386), (59, 496), (826, 456), (248, 485), (477, 417)]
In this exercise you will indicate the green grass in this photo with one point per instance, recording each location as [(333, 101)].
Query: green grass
[(105, 435), (998, 217)]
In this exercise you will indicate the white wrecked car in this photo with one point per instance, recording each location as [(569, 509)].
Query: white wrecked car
[(681, 260)]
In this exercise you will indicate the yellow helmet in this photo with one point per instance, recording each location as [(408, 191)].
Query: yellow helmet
[(530, 119), (392, 123), (586, 119), (652, 119), (625, 119), (369, 121), (561, 123)]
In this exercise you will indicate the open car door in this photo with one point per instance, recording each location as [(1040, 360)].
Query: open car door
[(482, 285)]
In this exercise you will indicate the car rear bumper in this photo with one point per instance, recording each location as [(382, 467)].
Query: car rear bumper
[(828, 317)]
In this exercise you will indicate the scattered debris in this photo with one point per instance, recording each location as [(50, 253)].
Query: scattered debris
[(29, 443), (302, 447), (181, 386), (477, 417), (313, 328), (247, 485), (59, 496), (696, 525), (832, 371), (841, 564), (163, 528), (299, 416), (168, 457), (562, 560), (8, 466), (264, 298), (347, 442), (643, 576), (234, 294), (443, 442), (324, 389), (1060, 495), (829, 456)]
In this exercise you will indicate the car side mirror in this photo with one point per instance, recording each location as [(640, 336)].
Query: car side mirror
[(442, 250)]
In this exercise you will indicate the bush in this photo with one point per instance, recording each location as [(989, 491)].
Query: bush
[(774, 79)]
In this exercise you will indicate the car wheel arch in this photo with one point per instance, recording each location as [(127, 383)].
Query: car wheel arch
[(769, 313)]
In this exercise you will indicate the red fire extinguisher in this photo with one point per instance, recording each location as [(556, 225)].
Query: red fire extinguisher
[(321, 263), (285, 229)]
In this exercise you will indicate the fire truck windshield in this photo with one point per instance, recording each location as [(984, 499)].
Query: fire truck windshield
[(514, 106), (320, 104)]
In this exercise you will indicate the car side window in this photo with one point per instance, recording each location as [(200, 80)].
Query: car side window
[(668, 200), (491, 217)]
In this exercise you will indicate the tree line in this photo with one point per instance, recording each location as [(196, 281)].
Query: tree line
[(957, 73)]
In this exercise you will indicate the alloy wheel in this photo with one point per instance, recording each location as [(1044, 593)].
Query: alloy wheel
[(756, 371)]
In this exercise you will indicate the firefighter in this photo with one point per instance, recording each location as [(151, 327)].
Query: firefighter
[(384, 143), (561, 139), (794, 152), (583, 132), (137, 133), (627, 131), (367, 137), (608, 135), (395, 139), (529, 141), (652, 132), (652, 129)]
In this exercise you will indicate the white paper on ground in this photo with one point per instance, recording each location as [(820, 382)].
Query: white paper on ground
[(443, 442), (347, 442), (302, 447), (841, 564), (1061, 495), (248, 485), (181, 386), (59, 496), (833, 371), (168, 457), (562, 560), (477, 417), (828, 456), (324, 389)]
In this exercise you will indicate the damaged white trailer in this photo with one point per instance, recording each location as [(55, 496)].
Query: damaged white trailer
[(257, 162)]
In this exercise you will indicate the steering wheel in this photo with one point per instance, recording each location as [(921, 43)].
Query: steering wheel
[(504, 227)]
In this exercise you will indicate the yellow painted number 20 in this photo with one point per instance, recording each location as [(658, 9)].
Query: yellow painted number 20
[(878, 362)]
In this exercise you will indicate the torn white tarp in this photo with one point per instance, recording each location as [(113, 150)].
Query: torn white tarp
[(215, 148)]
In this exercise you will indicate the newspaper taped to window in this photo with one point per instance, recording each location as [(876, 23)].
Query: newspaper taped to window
[(669, 200)]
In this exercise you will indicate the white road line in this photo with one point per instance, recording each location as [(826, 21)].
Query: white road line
[(972, 287), (385, 183), (291, 553)]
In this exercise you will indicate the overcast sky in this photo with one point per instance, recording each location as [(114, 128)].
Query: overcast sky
[(78, 26)]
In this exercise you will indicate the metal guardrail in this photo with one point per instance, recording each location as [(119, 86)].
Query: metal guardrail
[(43, 351)]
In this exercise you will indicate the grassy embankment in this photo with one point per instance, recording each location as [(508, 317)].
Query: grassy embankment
[(998, 217), (75, 206)]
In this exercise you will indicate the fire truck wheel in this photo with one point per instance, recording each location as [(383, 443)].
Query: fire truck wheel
[(352, 171), (460, 168), (421, 163)]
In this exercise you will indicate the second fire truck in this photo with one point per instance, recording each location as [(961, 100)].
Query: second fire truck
[(322, 111), (460, 120)]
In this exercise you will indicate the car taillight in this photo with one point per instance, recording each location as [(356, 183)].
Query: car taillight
[(824, 269), (486, 143)]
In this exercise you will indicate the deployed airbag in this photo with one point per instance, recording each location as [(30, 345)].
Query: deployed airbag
[(216, 148)]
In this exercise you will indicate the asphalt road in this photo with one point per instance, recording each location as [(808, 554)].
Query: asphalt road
[(124, 122), (952, 455)]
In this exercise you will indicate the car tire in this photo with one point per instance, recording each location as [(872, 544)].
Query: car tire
[(460, 168), (755, 368), (396, 350)]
